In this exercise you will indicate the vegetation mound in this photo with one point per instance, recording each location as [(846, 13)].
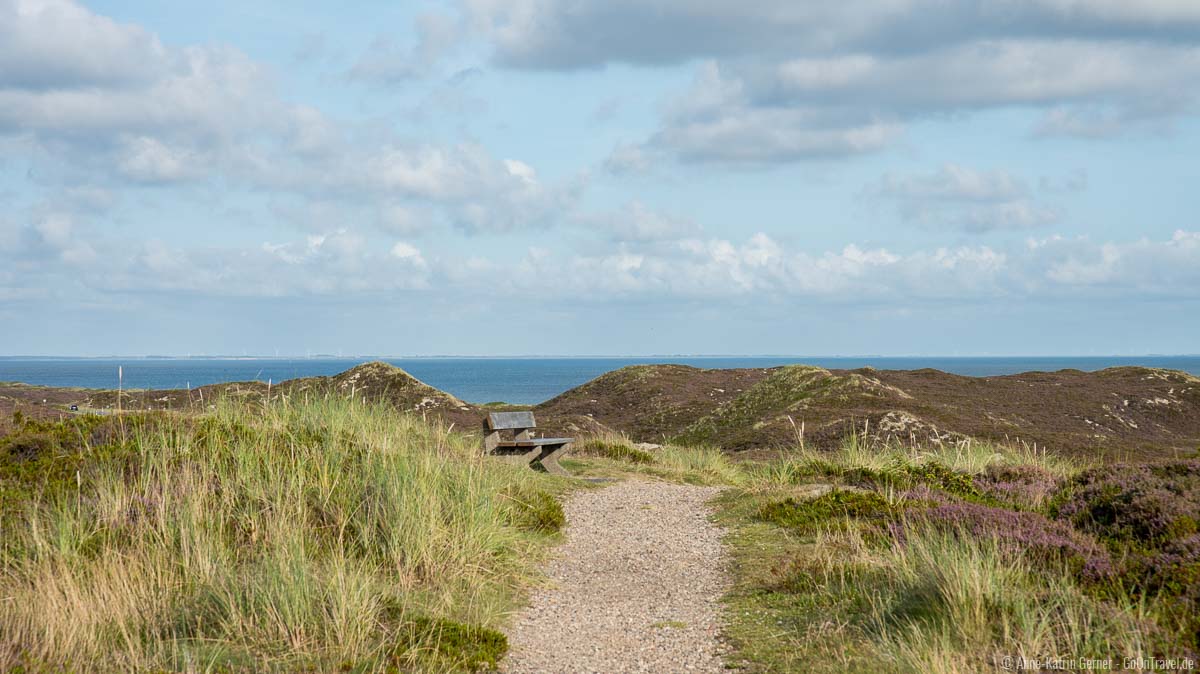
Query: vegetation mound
[(316, 534), (1126, 411), (956, 558), (1130, 412), (652, 402)]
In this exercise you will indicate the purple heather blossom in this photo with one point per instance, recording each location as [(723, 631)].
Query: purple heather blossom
[(1028, 534), (1019, 485), (1150, 504)]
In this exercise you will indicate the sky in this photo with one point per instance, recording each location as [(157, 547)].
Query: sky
[(607, 177)]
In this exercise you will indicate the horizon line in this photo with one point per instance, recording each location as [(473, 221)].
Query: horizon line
[(329, 356)]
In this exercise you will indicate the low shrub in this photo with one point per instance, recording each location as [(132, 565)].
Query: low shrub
[(1173, 575), (1024, 534), (617, 451), (895, 474), (940, 476), (805, 515), (28, 446), (1176, 569), (1139, 505), (1024, 486), (953, 603), (928, 496)]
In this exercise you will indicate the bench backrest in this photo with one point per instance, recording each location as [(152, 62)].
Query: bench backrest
[(508, 421)]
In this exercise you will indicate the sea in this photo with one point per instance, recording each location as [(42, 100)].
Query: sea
[(514, 380)]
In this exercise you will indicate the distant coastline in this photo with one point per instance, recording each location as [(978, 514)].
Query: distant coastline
[(523, 380), (449, 356)]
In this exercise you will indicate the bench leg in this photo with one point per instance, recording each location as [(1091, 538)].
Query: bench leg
[(550, 458), (520, 459)]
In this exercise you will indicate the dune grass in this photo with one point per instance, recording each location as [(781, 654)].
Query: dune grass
[(893, 574), (329, 535), (615, 455), (321, 535), (860, 456)]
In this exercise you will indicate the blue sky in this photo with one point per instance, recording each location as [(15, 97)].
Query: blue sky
[(478, 177)]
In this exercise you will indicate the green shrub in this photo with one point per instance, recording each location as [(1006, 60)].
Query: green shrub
[(28, 446), (617, 452), (940, 476), (805, 515)]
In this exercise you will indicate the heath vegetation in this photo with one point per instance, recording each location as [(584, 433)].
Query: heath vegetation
[(324, 532), (314, 535)]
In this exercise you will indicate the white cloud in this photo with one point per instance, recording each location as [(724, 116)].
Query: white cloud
[(150, 160), (90, 94), (388, 63), (338, 262), (784, 81), (956, 183), (968, 199), (53, 44), (628, 158), (400, 219), (637, 222), (556, 34), (521, 170), (1167, 267), (52, 252), (409, 253), (50, 236), (720, 269)]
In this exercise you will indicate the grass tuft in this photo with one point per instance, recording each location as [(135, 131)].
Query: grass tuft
[(617, 451), (469, 647), (536, 510)]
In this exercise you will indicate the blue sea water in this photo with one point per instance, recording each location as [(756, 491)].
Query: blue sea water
[(515, 380)]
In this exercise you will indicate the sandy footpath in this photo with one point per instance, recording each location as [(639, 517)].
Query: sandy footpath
[(635, 587)]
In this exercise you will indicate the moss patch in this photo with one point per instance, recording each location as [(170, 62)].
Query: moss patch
[(470, 647)]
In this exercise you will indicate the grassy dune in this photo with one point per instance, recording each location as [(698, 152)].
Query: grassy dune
[(331, 535), (950, 558), (956, 558), (313, 535)]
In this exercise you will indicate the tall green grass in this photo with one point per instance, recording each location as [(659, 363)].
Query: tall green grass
[(951, 603), (859, 455), (841, 592), (322, 535), (616, 455)]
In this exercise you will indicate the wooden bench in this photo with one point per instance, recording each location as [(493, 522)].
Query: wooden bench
[(520, 447)]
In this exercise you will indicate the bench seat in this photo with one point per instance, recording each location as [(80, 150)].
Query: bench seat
[(534, 442)]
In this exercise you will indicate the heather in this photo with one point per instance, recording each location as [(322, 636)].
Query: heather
[(1023, 486), (1176, 568), (952, 557), (1022, 534), (1147, 505)]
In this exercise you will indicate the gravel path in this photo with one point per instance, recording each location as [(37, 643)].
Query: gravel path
[(635, 587)]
